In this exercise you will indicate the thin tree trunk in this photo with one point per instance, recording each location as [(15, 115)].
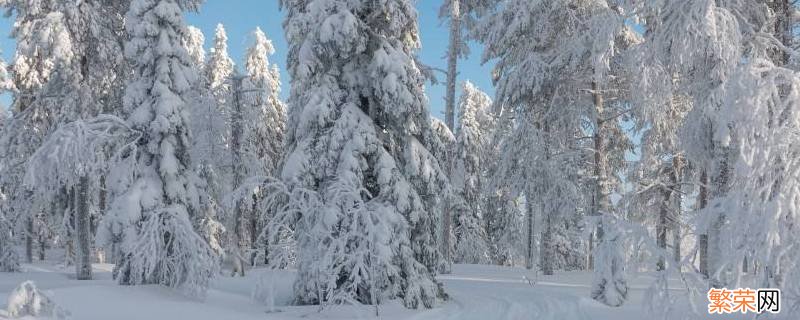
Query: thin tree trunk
[(238, 176), (720, 188), (702, 203), (42, 248), (546, 250), (782, 10), (100, 253), (600, 197), (452, 62), (29, 241), (69, 252), (530, 245), (661, 230), (83, 234), (590, 258), (254, 232), (447, 226), (449, 118), (609, 285), (677, 195)]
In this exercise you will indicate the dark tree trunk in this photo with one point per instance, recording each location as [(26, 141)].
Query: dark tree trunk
[(83, 234)]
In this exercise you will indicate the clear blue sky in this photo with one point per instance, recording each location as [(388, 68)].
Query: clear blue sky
[(242, 16)]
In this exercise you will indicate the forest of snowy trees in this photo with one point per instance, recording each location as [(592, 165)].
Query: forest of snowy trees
[(622, 136)]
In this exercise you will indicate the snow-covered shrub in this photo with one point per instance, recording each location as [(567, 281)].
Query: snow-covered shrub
[(27, 300)]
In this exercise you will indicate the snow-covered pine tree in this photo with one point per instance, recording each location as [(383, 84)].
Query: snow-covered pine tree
[(475, 127), (84, 73), (660, 175), (358, 139), (698, 65), (263, 121), (155, 196), (564, 39), (42, 41)]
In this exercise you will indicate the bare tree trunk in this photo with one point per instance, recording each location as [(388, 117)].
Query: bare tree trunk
[(546, 251), (546, 254), (661, 230), (590, 258), (449, 118), (702, 203), (254, 231), (69, 252), (720, 183), (600, 196), (83, 234), (677, 196), (42, 248), (530, 241), (609, 285), (447, 227), (100, 253), (238, 176), (452, 62), (783, 11), (29, 240)]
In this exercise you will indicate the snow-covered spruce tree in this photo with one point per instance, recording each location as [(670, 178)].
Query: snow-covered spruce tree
[(154, 194), (474, 130), (558, 90), (9, 259), (210, 104), (208, 127), (194, 42), (458, 13), (216, 160), (262, 121), (219, 66), (446, 142), (504, 219), (358, 139), (6, 86)]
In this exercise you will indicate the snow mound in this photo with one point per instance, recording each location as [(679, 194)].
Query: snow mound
[(27, 300)]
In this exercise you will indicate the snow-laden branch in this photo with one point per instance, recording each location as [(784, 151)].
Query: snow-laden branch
[(79, 149)]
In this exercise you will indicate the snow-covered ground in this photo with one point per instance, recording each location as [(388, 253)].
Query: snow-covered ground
[(476, 292)]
